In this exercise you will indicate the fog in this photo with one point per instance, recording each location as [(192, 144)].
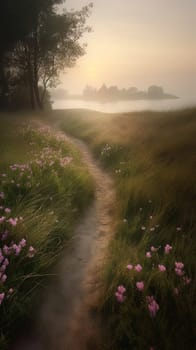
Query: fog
[(138, 43), (125, 106)]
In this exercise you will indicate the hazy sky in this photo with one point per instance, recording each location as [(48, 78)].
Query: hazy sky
[(138, 43)]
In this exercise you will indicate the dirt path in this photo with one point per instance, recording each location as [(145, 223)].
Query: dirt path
[(67, 320)]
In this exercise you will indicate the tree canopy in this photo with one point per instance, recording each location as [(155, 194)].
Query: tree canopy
[(37, 42)]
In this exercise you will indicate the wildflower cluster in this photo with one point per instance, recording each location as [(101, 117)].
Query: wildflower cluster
[(9, 249), (22, 177), (120, 294), (153, 307), (41, 192), (49, 157), (142, 274), (106, 150), (15, 181)]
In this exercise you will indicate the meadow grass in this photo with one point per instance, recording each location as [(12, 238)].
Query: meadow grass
[(152, 156), (44, 188)]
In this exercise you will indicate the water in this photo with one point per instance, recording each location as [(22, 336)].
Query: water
[(126, 106)]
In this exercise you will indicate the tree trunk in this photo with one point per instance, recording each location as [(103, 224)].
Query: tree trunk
[(4, 86), (30, 77), (31, 88), (37, 95), (36, 77)]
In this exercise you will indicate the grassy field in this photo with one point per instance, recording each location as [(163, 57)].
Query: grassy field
[(44, 187), (149, 277)]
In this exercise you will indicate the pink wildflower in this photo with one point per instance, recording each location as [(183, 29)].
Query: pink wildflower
[(31, 252), (179, 268), (129, 267), (179, 265), (6, 250), (148, 255), (121, 289), (2, 219), (1, 257), (167, 248), (179, 272), (176, 291), (3, 268), (120, 297), (140, 286), (6, 262), (12, 221), (153, 307), (7, 210), (187, 280), (162, 268), (14, 246), (23, 243), (138, 267), (18, 250), (3, 278), (120, 294)]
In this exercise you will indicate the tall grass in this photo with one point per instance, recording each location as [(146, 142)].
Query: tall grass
[(152, 158), (44, 187)]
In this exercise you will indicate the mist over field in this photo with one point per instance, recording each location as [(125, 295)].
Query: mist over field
[(138, 43), (124, 106), (97, 174)]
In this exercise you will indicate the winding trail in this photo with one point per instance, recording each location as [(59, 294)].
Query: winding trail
[(67, 319)]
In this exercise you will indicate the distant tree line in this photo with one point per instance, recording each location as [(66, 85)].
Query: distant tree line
[(37, 42), (114, 93)]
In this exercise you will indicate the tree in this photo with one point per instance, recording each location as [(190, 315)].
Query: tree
[(155, 91), (48, 42)]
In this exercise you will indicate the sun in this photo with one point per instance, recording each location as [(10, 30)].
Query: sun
[(92, 73)]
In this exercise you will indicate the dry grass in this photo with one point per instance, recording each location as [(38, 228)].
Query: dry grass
[(152, 157)]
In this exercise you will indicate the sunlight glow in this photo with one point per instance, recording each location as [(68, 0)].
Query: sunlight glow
[(133, 44)]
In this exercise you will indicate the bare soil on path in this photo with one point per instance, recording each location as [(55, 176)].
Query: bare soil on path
[(68, 319)]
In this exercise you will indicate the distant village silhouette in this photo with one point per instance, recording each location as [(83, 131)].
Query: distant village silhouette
[(113, 93), (132, 93)]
